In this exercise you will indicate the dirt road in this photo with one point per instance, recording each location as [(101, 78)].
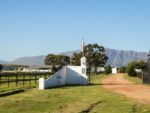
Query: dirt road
[(118, 84)]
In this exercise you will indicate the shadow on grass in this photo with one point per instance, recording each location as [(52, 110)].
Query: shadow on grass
[(89, 109), (89, 85), (96, 84), (66, 86), (75, 85)]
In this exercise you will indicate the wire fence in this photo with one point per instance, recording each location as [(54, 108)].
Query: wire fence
[(21, 78)]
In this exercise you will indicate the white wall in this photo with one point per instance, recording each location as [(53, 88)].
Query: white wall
[(114, 70), (74, 76), (68, 75)]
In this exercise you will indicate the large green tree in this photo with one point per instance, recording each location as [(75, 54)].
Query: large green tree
[(108, 70), (123, 69), (95, 55), (75, 59), (134, 65), (52, 59)]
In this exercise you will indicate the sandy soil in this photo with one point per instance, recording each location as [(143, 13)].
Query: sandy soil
[(118, 84)]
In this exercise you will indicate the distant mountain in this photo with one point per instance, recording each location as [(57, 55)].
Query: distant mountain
[(117, 58), (70, 53), (31, 61), (3, 62)]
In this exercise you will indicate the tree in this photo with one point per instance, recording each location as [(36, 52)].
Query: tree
[(122, 69), (61, 60), (134, 65), (142, 64), (54, 69), (52, 59), (75, 59), (95, 55), (131, 71), (108, 70)]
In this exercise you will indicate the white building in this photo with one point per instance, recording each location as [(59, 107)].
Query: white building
[(100, 69), (46, 68), (68, 75), (114, 70)]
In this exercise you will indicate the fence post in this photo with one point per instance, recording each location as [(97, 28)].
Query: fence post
[(30, 79), (8, 79), (16, 79), (35, 78), (23, 78), (0, 80)]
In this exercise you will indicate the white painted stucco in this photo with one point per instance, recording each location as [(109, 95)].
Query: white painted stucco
[(68, 75), (114, 70)]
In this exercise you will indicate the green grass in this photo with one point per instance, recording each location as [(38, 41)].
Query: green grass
[(12, 86), (71, 100), (4, 87), (135, 80)]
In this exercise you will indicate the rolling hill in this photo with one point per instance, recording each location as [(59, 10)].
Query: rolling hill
[(3, 62), (32, 60), (117, 58)]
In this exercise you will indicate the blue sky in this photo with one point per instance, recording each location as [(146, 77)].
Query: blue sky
[(39, 27)]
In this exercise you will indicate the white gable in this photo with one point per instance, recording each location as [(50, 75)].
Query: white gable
[(68, 75)]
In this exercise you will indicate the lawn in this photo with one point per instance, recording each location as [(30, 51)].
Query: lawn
[(135, 80), (73, 99)]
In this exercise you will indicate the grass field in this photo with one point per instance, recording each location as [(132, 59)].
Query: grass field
[(12, 86), (136, 80), (73, 99)]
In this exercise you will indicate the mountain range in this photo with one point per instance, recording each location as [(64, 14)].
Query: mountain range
[(116, 58)]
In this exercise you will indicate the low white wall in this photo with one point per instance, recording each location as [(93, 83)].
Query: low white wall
[(57, 79), (68, 75), (114, 70), (41, 84), (74, 76)]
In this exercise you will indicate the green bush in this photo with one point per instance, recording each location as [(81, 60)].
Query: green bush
[(108, 70), (122, 69), (131, 72), (134, 65)]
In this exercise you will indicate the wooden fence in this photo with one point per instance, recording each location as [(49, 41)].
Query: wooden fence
[(21, 78)]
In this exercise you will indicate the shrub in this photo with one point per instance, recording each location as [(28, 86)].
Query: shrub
[(108, 70), (131, 72), (134, 65), (122, 69)]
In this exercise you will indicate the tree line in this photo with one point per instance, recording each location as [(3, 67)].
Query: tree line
[(130, 68), (94, 53)]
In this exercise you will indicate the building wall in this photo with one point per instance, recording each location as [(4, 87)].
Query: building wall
[(114, 70), (68, 75), (57, 79), (74, 76)]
